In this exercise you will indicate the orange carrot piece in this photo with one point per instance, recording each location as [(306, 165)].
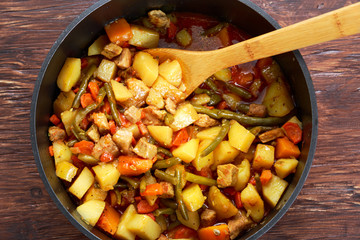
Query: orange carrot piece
[(109, 219), (94, 89), (84, 147), (133, 166), (54, 119), (265, 176), (113, 128), (237, 200), (153, 190), (144, 207), (181, 137), (106, 157), (218, 232), (252, 181), (293, 132), (223, 35), (222, 105), (86, 100), (119, 31), (171, 31), (124, 122), (285, 148), (184, 232), (142, 128), (51, 151)]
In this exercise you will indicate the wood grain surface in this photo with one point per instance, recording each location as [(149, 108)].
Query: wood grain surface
[(328, 206)]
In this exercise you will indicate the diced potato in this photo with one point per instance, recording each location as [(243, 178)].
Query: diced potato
[(224, 153), (122, 231), (155, 99), (200, 99), (67, 118), (264, 157), (69, 74), (66, 171), (252, 202), (277, 99), (223, 207), (171, 72), (193, 221), (223, 75), (283, 167), (294, 119), (146, 67), (183, 37), (184, 116), (106, 175), (193, 197), (95, 194), (106, 70), (91, 211), (187, 151), (143, 226), (135, 130), (209, 133), (121, 92), (63, 102), (201, 162), (84, 181), (162, 134), (144, 37), (243, 175), (61, 152), (167, 90), (273, 190), (98, 45), (239, 137)]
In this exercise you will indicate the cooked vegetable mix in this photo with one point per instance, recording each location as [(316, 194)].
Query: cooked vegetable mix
[(143, 162)]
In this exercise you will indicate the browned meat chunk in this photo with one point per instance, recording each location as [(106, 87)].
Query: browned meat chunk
[(170, 106), (239, 223), (153, 116), (127, 73), (56, 133), (159, 18), (133, 114), (111, 50), (105, 144), (271, 135), (227, 175), (208, 218), (127, 197), (123, 138), (145, 149), (206, 121), (168, 190), (101, 122), (124, 60), (93, 133), (139, 91), (257, 110)]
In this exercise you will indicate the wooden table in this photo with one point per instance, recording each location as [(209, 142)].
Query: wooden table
[(328, 205)]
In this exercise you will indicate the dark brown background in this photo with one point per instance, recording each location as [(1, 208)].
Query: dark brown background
[(328, 205)]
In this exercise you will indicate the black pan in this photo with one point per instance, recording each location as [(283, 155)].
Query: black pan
[(88, 25)]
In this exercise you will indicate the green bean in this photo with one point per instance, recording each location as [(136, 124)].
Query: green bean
[(83, 85), (214, 30), (120, 185), (134, 183), (201, 91), (165, 176), (225, 127), (258, 183), (164, 151), (169, 203), (214, 99), (178, 195), (200, 179), (118, 196), (159, 157), (112, 102), (162, 211), (108, 117), (259, 129), (89, 159), (169, 119), (173, 225), (238, 90), (244, 108), (211, 84), (166, 163), (151, 140), (71, 142)]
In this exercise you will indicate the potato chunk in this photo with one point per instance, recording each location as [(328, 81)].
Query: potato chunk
[(264, 157), (106, 70), (187, 151), (162, 134), (144, 227), (223, 207), (224, 153), (171, 72), (184, 116), (69, 74), (122, 230), (273, 190), (98, 45), (66, 171), (84, 181), (146, 67), (120, 91), (243, 175), (206, 161), (107, 175), (144, 37), (239, 137), (91, 211), (193, 197), (63, 102), (61, 152), (252, 202), (283, 167)]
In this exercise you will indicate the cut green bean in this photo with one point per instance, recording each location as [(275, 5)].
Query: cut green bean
[(214, 30), (134, 183), (178, 195), (83, 85), (244, 108), (112, 102), (238, 90), (88, 159), (164, 151), (173, 225), (71, 142), (162, 211), (120, 185), (225, 127), (199, 179), (259, 129), (169, 203), (165, 176), (166, 163), (118, 196)]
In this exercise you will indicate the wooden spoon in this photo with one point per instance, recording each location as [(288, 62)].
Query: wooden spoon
[(199, 65)]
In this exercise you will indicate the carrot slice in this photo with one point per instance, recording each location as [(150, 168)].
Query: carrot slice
[(51, 151), (106, 157), (54, 119), (265, 176), (218, 232), (293, 132), (181, 137), (154, 189), (84, 147), (119, 31), (237, 200), (285, 148), (144, 207), (133, 166), (94, 89), (86, 100), (183, 232), (142, 128), (109, 219)]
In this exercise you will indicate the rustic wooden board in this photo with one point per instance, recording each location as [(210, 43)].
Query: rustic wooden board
[(329, 204)]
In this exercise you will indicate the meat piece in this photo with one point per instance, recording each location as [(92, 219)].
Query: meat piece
[(145, 149), (127, 73), (208, 218), (271, 135), (206, 121), (170, 106), (56, 133), (239, 223), (133, 114), (159, 18), (162, 237), (124, 60), (227, 175), (93, 133), (257, 110), (168, 190), (111, 50), (139, 91), (153, 116), (127, 197), (105, 144), (123, 139), (101, 122)]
